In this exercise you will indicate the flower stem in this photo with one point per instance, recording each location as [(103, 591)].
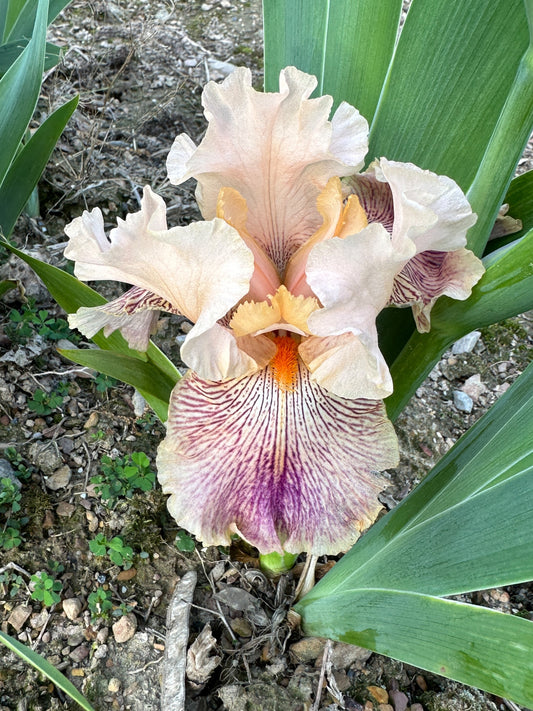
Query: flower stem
[(275, 564)]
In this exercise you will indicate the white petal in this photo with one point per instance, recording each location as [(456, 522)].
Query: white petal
[(350, 366)]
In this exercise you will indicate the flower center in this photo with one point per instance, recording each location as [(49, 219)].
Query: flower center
[(285, 363)]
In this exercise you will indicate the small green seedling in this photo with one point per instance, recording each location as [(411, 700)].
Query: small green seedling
[(46, 589), (44, 403), (121, 477), (29, 321), (10, 583), (99, 604), (184, 542), (10, 497), (117, 552), (17, 462), (10, 537), (104, 382)]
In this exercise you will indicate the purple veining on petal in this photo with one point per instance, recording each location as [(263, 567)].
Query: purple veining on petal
[(431, 274), (292, 469), (375, 197), (135, 314)]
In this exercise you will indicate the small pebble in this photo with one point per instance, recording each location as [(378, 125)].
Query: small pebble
[(102, 635), (342, 680), (113, 685), (101, 652), (467, 343), (59, 479), (38, 621), (18, 616), (462, 401), (124, 628), (378, 693), (64, 509), (77, 672), (241, 627), (92, 420), (72, 607), (474, 387), (421, 682), (79, 653), (93, 521), (307, 649)]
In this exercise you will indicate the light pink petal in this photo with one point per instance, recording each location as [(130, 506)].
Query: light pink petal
[(430, 210), (181, 151), (350, 366), (278, 150), (283, 469), (432, 274), (134, 314), (353, 279), (202, 271)]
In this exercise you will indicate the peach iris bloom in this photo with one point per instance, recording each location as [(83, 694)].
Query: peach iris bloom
[(278, 431)]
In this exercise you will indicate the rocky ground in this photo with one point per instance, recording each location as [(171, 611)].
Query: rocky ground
[(80, 449)]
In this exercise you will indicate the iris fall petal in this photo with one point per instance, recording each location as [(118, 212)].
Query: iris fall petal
[(284, 469), (134, 314), (432, 274)]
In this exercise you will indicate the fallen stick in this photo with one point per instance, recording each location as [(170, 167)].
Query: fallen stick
[(175, 659)]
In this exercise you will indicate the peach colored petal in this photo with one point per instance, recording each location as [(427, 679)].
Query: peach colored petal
[(350, 366), (202, 271), (278, 150), (291, 469), (337, 220), (231, 207)]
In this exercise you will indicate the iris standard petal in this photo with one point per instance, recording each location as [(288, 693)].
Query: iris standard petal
[(285, 469), (428, 217), (430, 210), (432, 274), (278, 150)]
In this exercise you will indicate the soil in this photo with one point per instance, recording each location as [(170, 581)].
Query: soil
[(139, 68)]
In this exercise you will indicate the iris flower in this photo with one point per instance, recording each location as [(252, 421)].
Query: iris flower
[(278, 432)]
